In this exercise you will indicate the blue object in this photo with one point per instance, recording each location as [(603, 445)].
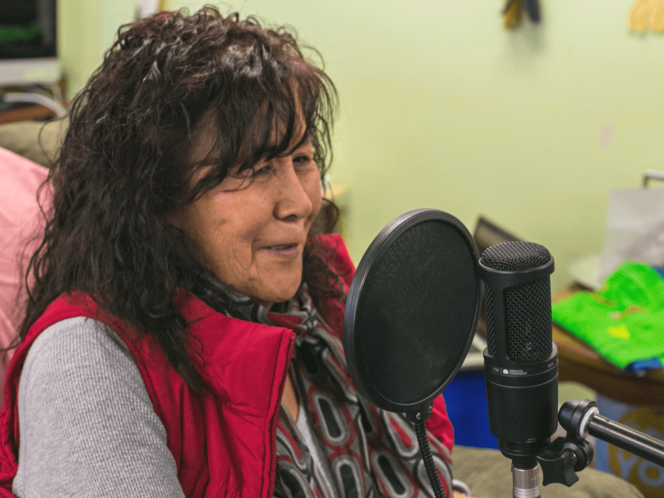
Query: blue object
[(465, 398), (660, 270), (642, 365)]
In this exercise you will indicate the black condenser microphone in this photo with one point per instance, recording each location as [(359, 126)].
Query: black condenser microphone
[(520, 362)]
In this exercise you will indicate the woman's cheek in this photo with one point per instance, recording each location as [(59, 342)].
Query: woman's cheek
[(315, 195)]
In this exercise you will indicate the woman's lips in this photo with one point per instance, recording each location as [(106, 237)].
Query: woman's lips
[(283, 249)]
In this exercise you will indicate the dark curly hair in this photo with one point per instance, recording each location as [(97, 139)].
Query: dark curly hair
[(124, 167)]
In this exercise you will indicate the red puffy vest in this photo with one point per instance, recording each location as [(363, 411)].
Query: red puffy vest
[(224, 442)]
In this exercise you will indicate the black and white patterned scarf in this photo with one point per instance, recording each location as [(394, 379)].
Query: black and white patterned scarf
[(365, 451)]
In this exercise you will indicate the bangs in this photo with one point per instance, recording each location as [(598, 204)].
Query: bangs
[(274, 130), (267, 119)]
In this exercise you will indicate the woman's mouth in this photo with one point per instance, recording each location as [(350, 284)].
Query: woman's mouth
[(284, 249), (281, 247)]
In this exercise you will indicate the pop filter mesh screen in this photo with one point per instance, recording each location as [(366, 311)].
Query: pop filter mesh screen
[(418, 311)]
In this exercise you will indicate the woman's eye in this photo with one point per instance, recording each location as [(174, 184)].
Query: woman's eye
[(302, 160), (262, 171)]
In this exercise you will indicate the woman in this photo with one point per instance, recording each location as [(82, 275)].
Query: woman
[(182, 336)]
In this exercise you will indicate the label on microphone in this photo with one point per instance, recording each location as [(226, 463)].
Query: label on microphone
[(511, 371), (515, 374)]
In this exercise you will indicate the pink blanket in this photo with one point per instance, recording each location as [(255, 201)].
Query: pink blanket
[(21, 225)]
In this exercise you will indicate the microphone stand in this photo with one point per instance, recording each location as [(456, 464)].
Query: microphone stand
[(565, 456)]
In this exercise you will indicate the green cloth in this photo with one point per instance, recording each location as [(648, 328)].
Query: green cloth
[(624, 321)]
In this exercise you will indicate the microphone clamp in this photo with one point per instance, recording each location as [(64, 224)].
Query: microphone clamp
[(565, 456)]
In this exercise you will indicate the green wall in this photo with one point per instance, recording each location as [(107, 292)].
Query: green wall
[(79, 43), (85, 31), (443, 108)]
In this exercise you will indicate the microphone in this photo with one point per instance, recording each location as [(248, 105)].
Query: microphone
[(520, 361)]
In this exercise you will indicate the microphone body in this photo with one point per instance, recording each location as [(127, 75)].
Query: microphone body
[(520, 361)]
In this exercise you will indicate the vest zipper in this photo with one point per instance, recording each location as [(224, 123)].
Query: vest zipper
[(273, 470)]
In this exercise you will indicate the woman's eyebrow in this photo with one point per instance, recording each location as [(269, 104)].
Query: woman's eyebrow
[(303, 143), (306, 141)]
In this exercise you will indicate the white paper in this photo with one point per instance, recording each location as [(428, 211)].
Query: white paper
[(634, 229)]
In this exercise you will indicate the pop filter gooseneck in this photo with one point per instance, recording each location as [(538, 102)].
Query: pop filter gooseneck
[(411, 315)]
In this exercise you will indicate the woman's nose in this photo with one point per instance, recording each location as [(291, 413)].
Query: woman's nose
[(293, 202)]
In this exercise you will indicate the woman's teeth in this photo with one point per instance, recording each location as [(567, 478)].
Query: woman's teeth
[(281, 247)]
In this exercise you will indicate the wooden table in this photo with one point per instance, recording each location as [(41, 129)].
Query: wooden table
[(36, 111), (579, 363)]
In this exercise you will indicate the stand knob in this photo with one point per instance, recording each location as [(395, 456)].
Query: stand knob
[(558, 464)]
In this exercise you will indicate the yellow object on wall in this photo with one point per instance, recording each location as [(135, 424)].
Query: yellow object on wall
[(647, 15), (512, 15)]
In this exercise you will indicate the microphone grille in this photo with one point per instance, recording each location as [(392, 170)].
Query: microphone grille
[(528, 306), (515, 256)]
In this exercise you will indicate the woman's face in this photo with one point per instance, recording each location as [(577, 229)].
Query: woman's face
[(252, 227)]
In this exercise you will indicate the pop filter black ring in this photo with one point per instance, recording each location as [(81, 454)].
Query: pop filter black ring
[(421, 409)]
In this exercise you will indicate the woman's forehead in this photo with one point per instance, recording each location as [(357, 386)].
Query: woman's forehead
[(205, 151), (280, 127)]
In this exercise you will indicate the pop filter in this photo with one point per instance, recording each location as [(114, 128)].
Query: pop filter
[(411, 315), (411, 311)]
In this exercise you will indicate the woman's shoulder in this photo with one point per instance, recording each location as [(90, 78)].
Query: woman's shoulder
[(81, 356), (73, 344), (85, 410)]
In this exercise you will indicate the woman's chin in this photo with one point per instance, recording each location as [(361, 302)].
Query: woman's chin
[(268, 297)]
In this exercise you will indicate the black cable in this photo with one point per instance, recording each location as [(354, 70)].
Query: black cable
[(421, 432)]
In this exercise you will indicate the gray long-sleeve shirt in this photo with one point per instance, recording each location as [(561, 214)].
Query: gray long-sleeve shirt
[(88, 427)]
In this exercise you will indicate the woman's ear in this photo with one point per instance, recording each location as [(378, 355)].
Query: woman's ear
[(178, 219)]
